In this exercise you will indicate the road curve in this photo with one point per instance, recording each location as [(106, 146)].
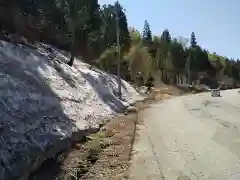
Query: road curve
[(195, 137)]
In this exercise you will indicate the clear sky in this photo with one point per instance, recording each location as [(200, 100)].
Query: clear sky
[(216, 23)]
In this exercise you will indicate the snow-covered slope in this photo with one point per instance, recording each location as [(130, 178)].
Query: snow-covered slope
[(45, 104)]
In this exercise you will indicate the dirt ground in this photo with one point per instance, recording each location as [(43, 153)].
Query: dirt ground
[(113, 162)]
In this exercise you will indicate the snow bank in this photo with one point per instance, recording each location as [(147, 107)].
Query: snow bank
[(45, 104)]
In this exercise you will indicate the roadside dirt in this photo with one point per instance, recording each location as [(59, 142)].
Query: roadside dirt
[(113, 162)]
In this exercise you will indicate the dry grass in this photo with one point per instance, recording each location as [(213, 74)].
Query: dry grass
[(80, 159), (113, 161)]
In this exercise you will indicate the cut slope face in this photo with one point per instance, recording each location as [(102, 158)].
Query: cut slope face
[(44, 103)]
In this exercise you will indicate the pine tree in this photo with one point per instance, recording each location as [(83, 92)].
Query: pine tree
[(165, 41), (147, 34), (193, 40), (178, 54), (166, 37), (109, 13), (125, 39)]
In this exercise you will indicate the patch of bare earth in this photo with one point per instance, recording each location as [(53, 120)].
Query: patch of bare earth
[(113, 161)]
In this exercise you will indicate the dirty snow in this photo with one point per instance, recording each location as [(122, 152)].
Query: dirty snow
[(44, 102)]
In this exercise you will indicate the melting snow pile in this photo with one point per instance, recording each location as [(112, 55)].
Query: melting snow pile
[(45, 104)]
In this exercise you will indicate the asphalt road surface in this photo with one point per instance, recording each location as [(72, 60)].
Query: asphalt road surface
[(195, 137)]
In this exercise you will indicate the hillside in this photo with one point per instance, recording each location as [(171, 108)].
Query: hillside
[(46, 104), (48, 95)]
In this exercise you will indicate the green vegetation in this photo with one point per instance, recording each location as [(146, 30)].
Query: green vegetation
[(88, 30), (94, 145)]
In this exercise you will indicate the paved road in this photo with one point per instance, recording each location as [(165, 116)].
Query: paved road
[(194, 137)]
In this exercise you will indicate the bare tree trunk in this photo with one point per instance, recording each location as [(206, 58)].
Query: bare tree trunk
[(166, 77), (70, 62), (162, 74), (178, 78), (73, 18)]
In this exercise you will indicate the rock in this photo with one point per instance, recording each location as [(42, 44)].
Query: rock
[(131, 109), (143, 89), (103, 129), (47, 106)]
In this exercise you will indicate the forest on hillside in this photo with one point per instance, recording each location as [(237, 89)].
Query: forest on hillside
[(88, 30)]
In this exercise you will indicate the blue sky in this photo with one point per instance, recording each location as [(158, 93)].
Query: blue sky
[(216, 23)]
